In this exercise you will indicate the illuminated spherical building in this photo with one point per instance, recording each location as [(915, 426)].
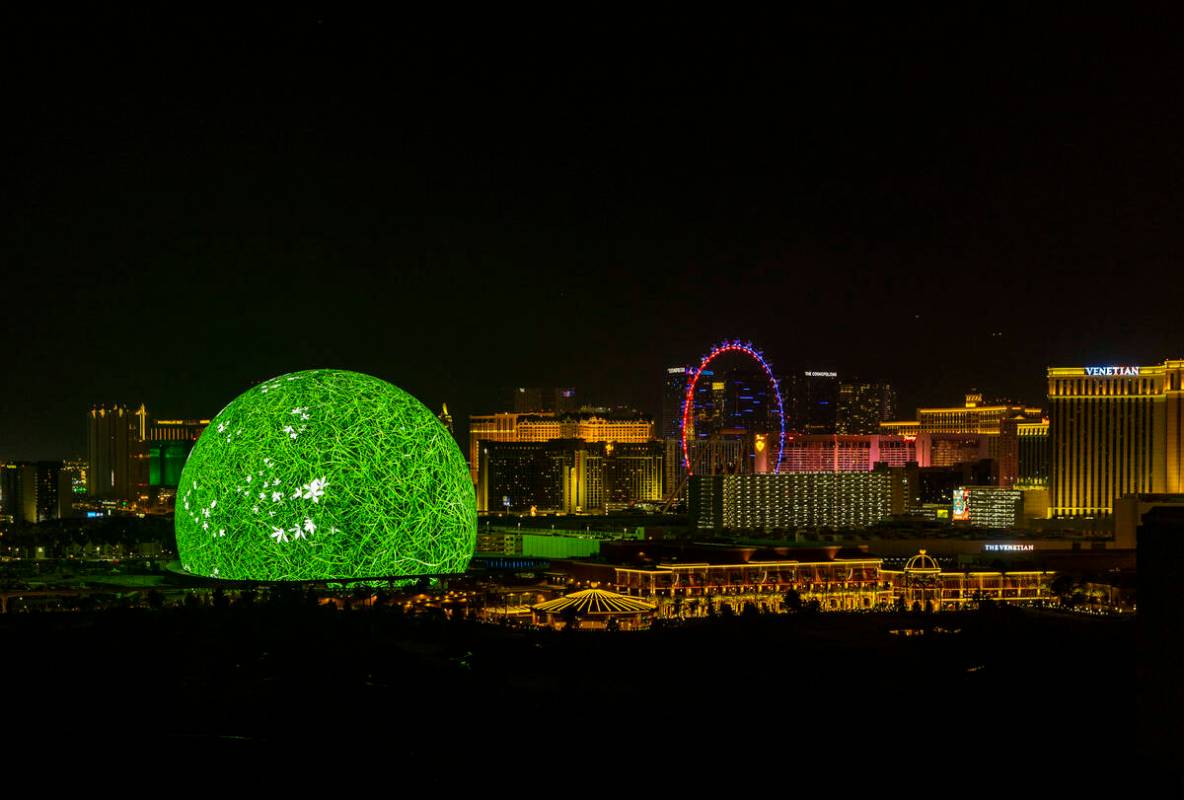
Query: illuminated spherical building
[(325, 474)]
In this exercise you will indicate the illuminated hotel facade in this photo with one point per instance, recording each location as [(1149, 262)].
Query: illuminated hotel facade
[(796, 500), (863, 406), (837, 453), (568, 476), (974, 416), (1113, 431), (988, 506), (1032, 453), (993, 429), (514, 427), (841, 584)]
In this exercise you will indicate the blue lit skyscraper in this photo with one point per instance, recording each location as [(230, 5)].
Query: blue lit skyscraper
[(674, 393), (747, 401)]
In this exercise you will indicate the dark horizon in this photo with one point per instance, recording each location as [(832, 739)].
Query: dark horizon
[(939, 201)]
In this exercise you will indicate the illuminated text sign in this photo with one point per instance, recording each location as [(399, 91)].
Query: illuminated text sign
[(1099, 372), (1008, 548), (822, 374)]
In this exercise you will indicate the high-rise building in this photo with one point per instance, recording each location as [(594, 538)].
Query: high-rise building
[(863, 406), (970, 432), (949, 449), (117, 452), (175, 430), (1114, 430), (76, 468), (545, 400), (973, 417), (834, 453), (936, 485), (795, 500), (10, 493), (1129, 511), (814, 401), (34, 491), (1032, 440), (674, 392), (633, 473), (674, 388), (748, 402), (987, 506), (568, 476), (616, 427), (166, 460), (169, 443)]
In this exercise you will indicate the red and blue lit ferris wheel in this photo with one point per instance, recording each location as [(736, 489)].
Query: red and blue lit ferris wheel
[(688, 406)]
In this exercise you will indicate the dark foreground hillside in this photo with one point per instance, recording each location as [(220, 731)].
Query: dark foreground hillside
[(977, 690)]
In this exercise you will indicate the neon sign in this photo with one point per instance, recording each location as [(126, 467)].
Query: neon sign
[(1009, 548), (1104, 372)]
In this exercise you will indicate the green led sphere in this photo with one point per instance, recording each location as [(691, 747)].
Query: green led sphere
[(325, 474)]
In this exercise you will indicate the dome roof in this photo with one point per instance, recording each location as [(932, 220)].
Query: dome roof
[(591, 602), (325, 474), (922, 562)]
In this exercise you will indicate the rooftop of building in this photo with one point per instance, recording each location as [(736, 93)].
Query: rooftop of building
[(594, 602), (583, 415)]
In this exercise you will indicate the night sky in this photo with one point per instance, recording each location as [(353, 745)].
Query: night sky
[(943, 202)]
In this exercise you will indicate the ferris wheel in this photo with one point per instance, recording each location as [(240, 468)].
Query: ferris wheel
[(688, 406)]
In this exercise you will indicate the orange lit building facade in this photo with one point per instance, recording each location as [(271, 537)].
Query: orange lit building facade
[(974, 416), (972, 431), (838, 585), (1114, 430), (513, 427)]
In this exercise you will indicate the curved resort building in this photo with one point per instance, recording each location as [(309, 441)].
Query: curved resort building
[(839, 584)]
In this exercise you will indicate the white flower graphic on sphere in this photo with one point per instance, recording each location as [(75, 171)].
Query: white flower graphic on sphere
[(314, 490)]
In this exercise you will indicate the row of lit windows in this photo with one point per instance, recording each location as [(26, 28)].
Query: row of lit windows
[(1106, 387), (1100, 450)]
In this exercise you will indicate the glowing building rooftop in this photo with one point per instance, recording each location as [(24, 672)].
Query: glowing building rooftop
[(594, 602)]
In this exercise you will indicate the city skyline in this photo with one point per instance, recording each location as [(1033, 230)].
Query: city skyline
[(366, 378), (653, 409), (889, 197)]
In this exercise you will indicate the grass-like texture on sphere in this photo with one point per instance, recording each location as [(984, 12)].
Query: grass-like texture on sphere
[(325, 474)]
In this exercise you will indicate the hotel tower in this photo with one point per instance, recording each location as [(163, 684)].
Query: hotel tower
[(1114, 430)]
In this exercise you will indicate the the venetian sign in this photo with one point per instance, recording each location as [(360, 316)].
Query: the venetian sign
[(1105, 372)]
